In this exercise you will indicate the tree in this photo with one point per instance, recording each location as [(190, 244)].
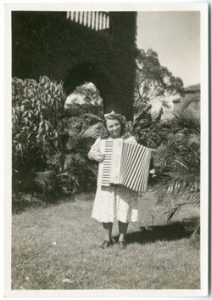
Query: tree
[(86, 93), (153, 81)]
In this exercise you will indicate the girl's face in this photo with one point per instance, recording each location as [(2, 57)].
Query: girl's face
[(114, 128)]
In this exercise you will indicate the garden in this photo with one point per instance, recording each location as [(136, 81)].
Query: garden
[(55, 242)]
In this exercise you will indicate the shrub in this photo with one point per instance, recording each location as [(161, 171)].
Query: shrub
[(177, 156), (50, 145), (35, 110)]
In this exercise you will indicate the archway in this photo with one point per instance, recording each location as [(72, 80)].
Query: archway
[(90, 72), (84, 94)]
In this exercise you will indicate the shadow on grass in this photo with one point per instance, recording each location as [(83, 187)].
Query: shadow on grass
[(28, 201), (167, 232), (22, 202)]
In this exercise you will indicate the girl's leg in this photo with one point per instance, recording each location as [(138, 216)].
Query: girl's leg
[(108, 231), (122, 231)]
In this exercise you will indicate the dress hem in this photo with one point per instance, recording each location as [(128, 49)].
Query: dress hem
[(115, 220)]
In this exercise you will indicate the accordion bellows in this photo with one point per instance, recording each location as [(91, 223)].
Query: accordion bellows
[(126, 164)]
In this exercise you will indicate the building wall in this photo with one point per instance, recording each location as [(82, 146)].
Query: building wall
[(47, 43)]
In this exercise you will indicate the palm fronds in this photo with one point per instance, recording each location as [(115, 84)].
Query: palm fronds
[(177, 158), (185, 121)]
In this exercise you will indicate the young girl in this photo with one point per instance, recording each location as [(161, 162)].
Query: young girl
[(114, 202)]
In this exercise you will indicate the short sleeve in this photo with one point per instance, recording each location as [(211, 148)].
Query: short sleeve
[(96, 147)]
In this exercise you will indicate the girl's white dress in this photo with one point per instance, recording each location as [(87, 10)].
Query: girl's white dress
[(114, 202)]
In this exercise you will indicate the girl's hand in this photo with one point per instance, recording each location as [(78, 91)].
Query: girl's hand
[(99, 157), (153, 172)]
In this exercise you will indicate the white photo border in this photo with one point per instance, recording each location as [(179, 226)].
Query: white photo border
[(204, 207)]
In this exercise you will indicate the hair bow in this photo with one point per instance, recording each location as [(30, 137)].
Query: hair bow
[(109, 114)]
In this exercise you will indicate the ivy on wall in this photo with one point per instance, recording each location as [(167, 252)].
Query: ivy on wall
[(46, 43)]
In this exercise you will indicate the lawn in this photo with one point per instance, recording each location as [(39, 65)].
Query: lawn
[(57, 247)]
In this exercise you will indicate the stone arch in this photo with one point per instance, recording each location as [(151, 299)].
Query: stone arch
[(90, 72)]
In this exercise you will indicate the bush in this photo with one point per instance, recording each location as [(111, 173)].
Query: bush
[(177, 156), (50, 145)]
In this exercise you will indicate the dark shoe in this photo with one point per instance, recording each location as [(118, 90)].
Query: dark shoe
[(113, 241), (106, 244), (122, 245)]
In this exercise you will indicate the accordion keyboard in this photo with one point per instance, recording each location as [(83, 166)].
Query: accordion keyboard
[(105, 166)]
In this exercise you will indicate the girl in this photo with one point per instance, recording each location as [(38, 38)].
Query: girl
[(114, 202)]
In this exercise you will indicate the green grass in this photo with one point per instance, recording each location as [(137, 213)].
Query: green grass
[(57, 248)]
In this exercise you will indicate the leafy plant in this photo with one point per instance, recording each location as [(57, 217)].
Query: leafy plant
[(50, 144), (35, 111), (36, 131), (177, 156), (181, 160)]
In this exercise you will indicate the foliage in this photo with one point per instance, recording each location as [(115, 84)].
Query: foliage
[(36, 132), (153, 80), (177, 158), (148, 132), (86, 94), (177, 141), (35, 111), (50, 145), (180, 165)]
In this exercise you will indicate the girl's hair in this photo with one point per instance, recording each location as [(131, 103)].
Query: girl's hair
[(115, 116)]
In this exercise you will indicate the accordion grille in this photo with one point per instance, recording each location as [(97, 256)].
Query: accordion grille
[(125, 163)]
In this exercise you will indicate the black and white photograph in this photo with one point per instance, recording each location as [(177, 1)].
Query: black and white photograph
[(107, 184)]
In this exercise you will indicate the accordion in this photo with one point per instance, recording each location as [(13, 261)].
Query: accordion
[(125, 163)]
